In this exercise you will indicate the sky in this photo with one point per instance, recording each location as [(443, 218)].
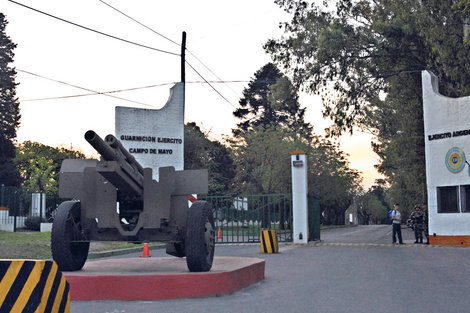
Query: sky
[(132, 48)]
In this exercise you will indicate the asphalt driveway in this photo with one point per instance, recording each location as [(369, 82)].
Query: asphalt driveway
[(368, 275)]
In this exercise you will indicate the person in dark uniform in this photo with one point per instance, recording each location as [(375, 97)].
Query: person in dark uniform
[(417, 219)]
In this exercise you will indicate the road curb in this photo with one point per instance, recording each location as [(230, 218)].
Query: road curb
[(103, 254), (161, 278)]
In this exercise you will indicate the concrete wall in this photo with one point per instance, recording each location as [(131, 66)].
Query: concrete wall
[(7, 224), (154, 137), (447, 142)]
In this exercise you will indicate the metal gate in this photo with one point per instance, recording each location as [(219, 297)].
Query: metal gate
[(241, 219)]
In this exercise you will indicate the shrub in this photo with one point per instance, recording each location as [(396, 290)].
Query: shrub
[(34, 223)]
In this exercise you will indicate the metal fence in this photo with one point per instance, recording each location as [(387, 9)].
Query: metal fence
[(17, 204), (238, 219), (241, 219)]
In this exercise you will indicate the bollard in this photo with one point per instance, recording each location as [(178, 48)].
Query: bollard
[(33, 286), (269, 241)]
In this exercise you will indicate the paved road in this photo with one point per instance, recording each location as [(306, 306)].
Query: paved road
[(371, 234), (357, 275)]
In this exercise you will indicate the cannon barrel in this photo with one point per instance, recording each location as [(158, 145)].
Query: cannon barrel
[(116, 144), (121, 168), (107, 152)]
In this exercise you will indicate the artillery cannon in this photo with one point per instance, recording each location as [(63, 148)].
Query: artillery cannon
[(117, 200)]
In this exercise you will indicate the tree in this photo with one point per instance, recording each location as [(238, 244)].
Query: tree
[(202, 153), (444, 25), (261, 156), (273, 126), (270, 100), (380, 191), (9, 108), (41, 175), (271, 121), (365, 57), (39, 165), (345, 55), (262, 159), (400, 144), (370, 208), (331, 180), (263, 167)]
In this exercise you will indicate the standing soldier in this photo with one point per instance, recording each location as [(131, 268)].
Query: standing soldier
[(417, 218), (425, 222)]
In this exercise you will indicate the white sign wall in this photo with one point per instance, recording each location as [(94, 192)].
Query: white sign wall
[(447, 145), (154, 137)]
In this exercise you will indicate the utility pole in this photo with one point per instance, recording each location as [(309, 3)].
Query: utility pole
[(183, 58), (183, 69)]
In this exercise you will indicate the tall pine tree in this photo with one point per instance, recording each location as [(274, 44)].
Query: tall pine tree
[(9, 109), (271, 100)]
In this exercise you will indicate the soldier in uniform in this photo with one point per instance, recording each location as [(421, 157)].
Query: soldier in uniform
[(417, 218), (425, 222)]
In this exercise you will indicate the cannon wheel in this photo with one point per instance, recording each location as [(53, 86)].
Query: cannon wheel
[(67, 250), (200, 237)]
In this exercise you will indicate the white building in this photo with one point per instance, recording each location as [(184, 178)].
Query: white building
[(447, 142)]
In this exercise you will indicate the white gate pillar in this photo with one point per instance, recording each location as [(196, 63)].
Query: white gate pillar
[(299, 196)]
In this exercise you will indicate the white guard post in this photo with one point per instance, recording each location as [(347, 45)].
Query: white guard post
[(299, 196)]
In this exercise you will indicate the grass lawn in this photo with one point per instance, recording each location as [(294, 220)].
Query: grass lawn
[(35, 245)]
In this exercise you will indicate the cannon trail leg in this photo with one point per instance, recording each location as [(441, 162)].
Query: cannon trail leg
[(200, 237), (67, 245)]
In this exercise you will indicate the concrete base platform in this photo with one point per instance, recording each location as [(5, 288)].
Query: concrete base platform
[(161, 278)]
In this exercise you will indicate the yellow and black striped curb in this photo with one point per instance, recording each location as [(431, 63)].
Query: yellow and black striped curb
[(366, 245), (33, 286), (269, 241)]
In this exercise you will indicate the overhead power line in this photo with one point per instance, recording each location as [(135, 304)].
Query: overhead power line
[(98, 93), (211, 86), (154, 31), (112, 91), (141, 24), (208, 131), (130, 42), (211, 71), (107, 94), (95, 31), (90, 90)]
